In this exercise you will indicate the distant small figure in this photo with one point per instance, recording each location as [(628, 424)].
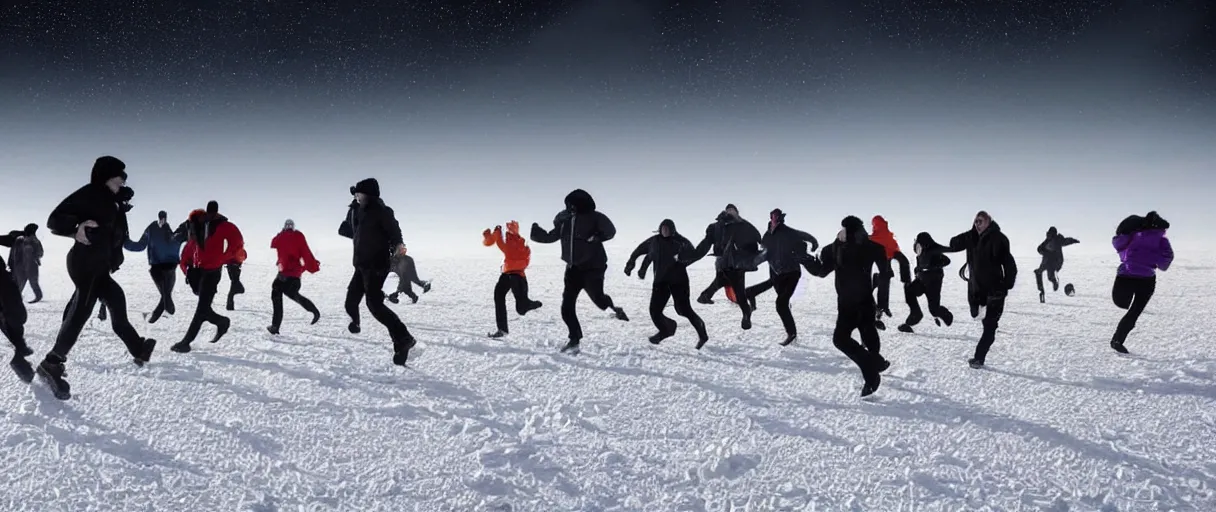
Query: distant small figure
[(881, 234), (407, 273), (1143, 250), (24, 259), (931, 262), (163, 258), (1052, 250)]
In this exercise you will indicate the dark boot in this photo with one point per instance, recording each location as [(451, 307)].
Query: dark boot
[(571, 347), (401, 351), (620, 314), (221, 329), (394, 298), (23, 368), (52, 372)]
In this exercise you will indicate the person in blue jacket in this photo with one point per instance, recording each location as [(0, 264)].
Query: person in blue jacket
[(164, 255)]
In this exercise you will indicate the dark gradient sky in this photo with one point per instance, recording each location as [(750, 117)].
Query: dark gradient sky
[(1071, 112)]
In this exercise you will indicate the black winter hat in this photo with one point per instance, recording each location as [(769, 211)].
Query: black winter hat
[(107, 167), (162, 215), (213, 207), (30, 229), (368, 186), (852, 223), (1154, 221), (731, 206)]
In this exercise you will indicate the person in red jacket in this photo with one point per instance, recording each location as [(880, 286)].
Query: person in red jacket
[(295, 258), (233, 266), (881, 234), (213, 242), (516, 257)]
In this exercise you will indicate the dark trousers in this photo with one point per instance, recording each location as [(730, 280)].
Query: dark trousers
[(289, 287), (367, 285), (858, 317), (13, 314), (1132, 294), (208, 288), (994, 308), (883, 285), (784, 284), (164, 276), (404, 285), (577, 281), (90, 288), (674, 288), (736, 280), (234, 275), (517, 285), (929, 285), (23, 277), (1051, 276)]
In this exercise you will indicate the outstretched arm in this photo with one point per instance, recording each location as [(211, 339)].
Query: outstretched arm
[(11, 238), (824, 265), (541, 236), (806, 237), (905, 274), (960, 242), (1069, 241), (641, 250), (139, 245), (705, 245), (310, 261)]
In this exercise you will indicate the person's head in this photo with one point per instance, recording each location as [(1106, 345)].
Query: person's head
[(775, 218), (213, 208), (878, 224), (109, 171), (1154, 221), (403, 250), (31, 229), (854, 230), (289, 225), (667, 228), (162, 217), (365, 190), (731, 210), (923, 239), (513, 227), (1052, 232), (982, 221)]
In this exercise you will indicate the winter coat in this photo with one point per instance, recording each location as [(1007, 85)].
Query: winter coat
[(214, 242), (735, 243), (10, 241), (670, 255), (95, 202), (1142, 253), (403, 265), (853, 257), (931, 260), (785, 248), (25, 255), (1052, 250), (993, 269), (516, 255), (581, 230), (374, 231), (163, 248), (294, 255)]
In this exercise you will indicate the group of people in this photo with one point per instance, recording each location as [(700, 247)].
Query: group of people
[(95, 217)]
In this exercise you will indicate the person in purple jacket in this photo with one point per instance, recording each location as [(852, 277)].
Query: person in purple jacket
[(1143, 249)]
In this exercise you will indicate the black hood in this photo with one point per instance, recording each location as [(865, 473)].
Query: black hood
[(369, 186), (579, 201), (1131, 224), (993, 227), (926, 242), (105, 168), (854, 229), (1154, 221), (30, 229), (671, 224), (1052, 232)]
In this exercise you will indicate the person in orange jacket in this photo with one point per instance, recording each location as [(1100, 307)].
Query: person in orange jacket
[(881, 233), (294, 258), (516, 258), (233, 266), (213, 243)]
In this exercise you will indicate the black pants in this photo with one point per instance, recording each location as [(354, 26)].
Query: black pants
[(1132, 294), (994, 307), (929, 285), (236, 288), (28, 276), (1051, 276), (208, 288), (577, 281), (674, 288), (90, 288), (367, 285), (858, 317), (289, 287), (164, 276), (13, 314), (736, 280), (784, 284), (883, 285), (404, 285), (518, 286)]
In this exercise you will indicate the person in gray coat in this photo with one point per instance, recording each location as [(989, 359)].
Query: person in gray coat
[(24, 258)]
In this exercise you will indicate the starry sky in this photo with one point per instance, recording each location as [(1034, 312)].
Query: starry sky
[(1071, 112)]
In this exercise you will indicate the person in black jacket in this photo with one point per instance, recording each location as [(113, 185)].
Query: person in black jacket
[(373, 229), (853, 256), (13, 315), (736, 249), (25, 259), (930, 265), (671, 254), (1052, 250), (786, 253), (95, 216), (993, 274), (582, 231)]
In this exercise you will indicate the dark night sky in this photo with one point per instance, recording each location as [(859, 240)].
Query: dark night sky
[(183, 55)]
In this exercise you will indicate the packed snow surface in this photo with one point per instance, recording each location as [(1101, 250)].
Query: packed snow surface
[(319, 419)]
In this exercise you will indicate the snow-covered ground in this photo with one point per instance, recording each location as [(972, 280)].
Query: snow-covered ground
[(319, 419)]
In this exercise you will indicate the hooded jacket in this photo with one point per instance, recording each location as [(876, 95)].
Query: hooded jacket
[(785, 248), (1052, 249), (294, 255), (25, 255), (1142, 246), (670, 255), (214, 242), (993, 269), (160, 242), (372, 228), (853, 257), (516, 255), (9, 240), (582, 231), (735, 243), (931, 259), (95, 202)]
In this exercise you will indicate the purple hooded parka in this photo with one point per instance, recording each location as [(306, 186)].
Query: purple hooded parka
[(1143, 253)]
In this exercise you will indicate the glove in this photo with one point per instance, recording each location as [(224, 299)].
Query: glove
[(487, 238), (629, 268), (498, 229)]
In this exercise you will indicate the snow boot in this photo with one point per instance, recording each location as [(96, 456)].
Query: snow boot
[(904, 328), (181, 347), (143, 353), (221, 329), (353, 328), (52, 372), (571, 347), (789, 338), (1118, 346), (401, 351), (394, 298), (975, 363), (497, 334), (23, 368), (620, 314)]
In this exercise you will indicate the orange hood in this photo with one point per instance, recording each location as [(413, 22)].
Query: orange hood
[(883, 236)]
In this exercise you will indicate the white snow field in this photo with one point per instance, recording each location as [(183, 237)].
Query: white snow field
[(319, 419)]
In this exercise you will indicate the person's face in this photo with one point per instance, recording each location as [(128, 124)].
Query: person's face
[(360, 198), (981, 223), (289, 225), (665, 231), (116, 183), (734, 212)]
